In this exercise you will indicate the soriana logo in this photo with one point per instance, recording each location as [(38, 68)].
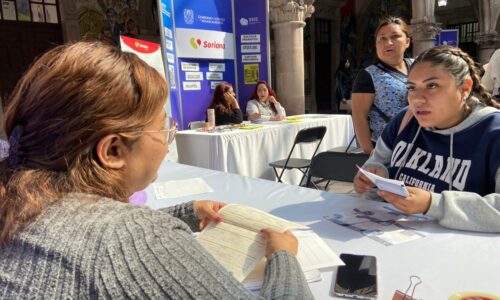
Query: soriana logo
[(194, 43)]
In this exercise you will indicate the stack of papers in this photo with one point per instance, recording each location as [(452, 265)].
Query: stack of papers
[(313, 255)]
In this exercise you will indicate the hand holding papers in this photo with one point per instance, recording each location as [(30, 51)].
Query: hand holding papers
[(236, 243), (385, 184)]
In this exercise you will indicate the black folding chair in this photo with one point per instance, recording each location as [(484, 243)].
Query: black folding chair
[(340, 166), (308, 135)]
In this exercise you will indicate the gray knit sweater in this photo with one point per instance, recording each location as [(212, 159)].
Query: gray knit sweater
[(89, 247)]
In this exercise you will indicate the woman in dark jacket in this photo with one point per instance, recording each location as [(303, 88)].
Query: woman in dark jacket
[(226, 106)]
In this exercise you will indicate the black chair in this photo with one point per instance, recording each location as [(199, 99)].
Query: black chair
[(330, 165), (308, 135)]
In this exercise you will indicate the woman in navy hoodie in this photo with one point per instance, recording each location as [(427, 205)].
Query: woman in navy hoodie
[(445, 146)]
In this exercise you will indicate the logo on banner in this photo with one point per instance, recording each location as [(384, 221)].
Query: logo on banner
[(195, 43), (249, 21), (188, 16)]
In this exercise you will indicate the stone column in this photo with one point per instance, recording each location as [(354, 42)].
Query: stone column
[(423, 28), (488, 38), (69, 21), (287, 18)]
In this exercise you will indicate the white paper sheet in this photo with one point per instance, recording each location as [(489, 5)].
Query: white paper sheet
[(181, 188), (385, 184)]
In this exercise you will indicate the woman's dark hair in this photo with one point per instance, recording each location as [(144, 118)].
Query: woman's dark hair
[(271, 93), (218, 101), (388, 20), (460, 65)]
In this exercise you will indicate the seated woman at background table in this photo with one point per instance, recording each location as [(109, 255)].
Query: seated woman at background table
[(226, 106), (445, 147), (263, 104), (86, 129)]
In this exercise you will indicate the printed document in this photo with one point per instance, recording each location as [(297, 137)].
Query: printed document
[(236, 242), (385, 184)]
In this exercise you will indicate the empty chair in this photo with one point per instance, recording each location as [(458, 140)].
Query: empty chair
[(308, 135), (340, 166)]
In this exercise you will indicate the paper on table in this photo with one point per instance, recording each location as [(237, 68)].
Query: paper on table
[(385, 184), (180, 188), (314, 253)]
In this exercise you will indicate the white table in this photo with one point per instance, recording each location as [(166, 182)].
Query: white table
[(446, 260), (248, 152)]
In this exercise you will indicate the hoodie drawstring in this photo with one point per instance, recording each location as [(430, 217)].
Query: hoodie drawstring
[(407, 152), (451, 163)]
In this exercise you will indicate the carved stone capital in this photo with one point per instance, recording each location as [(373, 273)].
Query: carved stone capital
[(487, 40), (290, 10), (424, 31)]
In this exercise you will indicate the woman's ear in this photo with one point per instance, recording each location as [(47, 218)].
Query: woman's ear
[(112, 152), (408, 41), (467, 87)]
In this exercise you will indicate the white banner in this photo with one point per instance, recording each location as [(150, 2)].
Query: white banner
[(195, 43)]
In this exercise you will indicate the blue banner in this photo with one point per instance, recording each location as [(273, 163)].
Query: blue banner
[(213, 15), (447, 37), (252, 46), (169, 58), (205, 47), (202, 50)]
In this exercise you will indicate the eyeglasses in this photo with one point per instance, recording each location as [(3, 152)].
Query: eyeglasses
[(170, 129), (383, 39)]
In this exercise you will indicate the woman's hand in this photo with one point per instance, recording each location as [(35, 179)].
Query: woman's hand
[(277, 118), (206, 211), (361, 183), (418, 201), (272, 99), (231, 100), (254, 116), (276, 241)]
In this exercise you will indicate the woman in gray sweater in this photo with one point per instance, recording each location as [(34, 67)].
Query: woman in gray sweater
[(86, 129)]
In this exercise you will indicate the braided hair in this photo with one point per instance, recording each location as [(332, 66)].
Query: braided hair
[(460, 65)]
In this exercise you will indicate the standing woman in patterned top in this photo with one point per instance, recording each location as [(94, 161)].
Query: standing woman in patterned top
[(379, 91), (263, 104)]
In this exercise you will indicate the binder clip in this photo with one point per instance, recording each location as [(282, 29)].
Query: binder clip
[(398, 295)]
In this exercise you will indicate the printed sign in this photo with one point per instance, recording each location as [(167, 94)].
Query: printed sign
[(447, 37), (214, 76), (251, 73), (250, 38), (251, 58), (216, 67), (191, 85), (190, 66), (169, 44), (194, 76), (250, 48)]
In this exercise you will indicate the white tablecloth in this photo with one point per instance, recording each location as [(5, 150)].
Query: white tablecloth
[(249, 152), (446, 260)]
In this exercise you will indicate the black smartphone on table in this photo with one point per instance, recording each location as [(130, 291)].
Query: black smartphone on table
[(358, 278)]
